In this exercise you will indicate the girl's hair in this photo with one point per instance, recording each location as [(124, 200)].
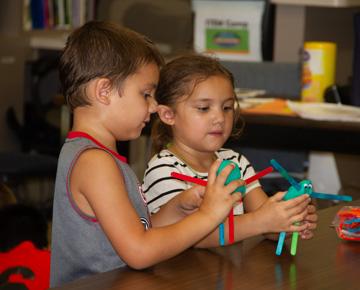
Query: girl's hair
[(178, 78), (102, 49)]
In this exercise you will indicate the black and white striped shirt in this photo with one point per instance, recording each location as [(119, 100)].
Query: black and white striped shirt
[(159, 187)]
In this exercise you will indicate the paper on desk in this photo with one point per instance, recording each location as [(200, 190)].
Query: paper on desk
[(325, 111), (243, 93), (268, 106)]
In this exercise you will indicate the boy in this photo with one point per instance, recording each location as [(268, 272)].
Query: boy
[(100, 217)]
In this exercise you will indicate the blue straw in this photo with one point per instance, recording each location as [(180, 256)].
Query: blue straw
[(280, 243), (221, 234), (354, 220), (284, 173), (331, 196)]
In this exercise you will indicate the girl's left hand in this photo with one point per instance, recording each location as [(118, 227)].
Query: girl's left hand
[(189, 200), (311, 220)]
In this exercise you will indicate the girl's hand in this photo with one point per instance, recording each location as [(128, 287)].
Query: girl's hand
[(190, 200), (311, 221), (220, 198), (276, 215)]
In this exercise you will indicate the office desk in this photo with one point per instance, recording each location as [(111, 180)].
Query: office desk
[(325, 262), (295, 133)]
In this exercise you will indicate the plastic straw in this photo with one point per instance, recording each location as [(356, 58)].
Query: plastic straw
[(280, 243), (221, 234), (285, 174), (331, 196), (294, 242)]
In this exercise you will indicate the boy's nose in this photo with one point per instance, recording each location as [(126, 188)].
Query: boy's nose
[(152, 105)]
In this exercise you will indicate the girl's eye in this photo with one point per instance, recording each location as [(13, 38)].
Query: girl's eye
[(229, 108), (147, 95), (203, 109)]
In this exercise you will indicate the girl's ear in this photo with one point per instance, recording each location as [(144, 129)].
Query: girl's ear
[(166, 114), (103, 91)]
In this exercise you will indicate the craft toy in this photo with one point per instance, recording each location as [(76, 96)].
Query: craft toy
[(296, 189), (233, 175)]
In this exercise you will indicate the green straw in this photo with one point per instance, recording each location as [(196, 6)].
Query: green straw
[(294, 242)]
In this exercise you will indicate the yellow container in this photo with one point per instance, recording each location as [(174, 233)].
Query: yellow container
[(318, 70)]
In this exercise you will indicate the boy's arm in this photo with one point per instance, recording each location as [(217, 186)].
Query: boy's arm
[(99, 189)]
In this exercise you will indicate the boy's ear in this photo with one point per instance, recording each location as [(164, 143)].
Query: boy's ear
[(103, 91), (166, 114)]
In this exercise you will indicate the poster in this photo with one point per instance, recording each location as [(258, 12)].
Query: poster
[(229, 29)]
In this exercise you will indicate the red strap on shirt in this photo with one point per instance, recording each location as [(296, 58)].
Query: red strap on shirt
[(78, 134)]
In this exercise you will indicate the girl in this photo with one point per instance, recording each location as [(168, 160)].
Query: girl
[(196, 115)]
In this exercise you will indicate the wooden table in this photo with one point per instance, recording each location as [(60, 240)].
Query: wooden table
[(325, 262)]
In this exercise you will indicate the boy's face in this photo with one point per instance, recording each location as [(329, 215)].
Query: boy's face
[(203, 121), (135, 102)]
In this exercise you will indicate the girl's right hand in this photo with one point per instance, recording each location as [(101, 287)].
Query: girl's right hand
[(277, 215), (220, 198)]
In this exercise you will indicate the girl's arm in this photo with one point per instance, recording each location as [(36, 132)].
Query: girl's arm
[(264, 216), (245, 225), (258, 197), (99, 190), (180, 206)]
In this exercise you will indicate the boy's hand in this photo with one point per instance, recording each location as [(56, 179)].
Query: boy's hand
[(277, 215), (311, 221), (190, 200), (220, 198)]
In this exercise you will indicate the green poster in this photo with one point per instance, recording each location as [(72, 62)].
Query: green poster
[(227, 40)]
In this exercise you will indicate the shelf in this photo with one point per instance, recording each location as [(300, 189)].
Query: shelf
[(323, 3), (47, 39)]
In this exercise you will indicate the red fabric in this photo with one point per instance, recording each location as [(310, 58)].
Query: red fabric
[(77, 134), (28, 256)]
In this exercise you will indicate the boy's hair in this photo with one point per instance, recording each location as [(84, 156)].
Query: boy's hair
[(102, 49), (178, 78), (19, 223)]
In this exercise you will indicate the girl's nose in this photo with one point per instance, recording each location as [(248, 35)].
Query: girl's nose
[(219, 116)]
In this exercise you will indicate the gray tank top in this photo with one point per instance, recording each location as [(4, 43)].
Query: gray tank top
[(79, 246)]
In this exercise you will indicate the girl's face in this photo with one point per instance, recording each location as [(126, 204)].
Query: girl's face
[(135, 102), (203, 121)]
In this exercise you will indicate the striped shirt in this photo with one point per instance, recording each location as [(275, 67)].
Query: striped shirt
[(159, 187)]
